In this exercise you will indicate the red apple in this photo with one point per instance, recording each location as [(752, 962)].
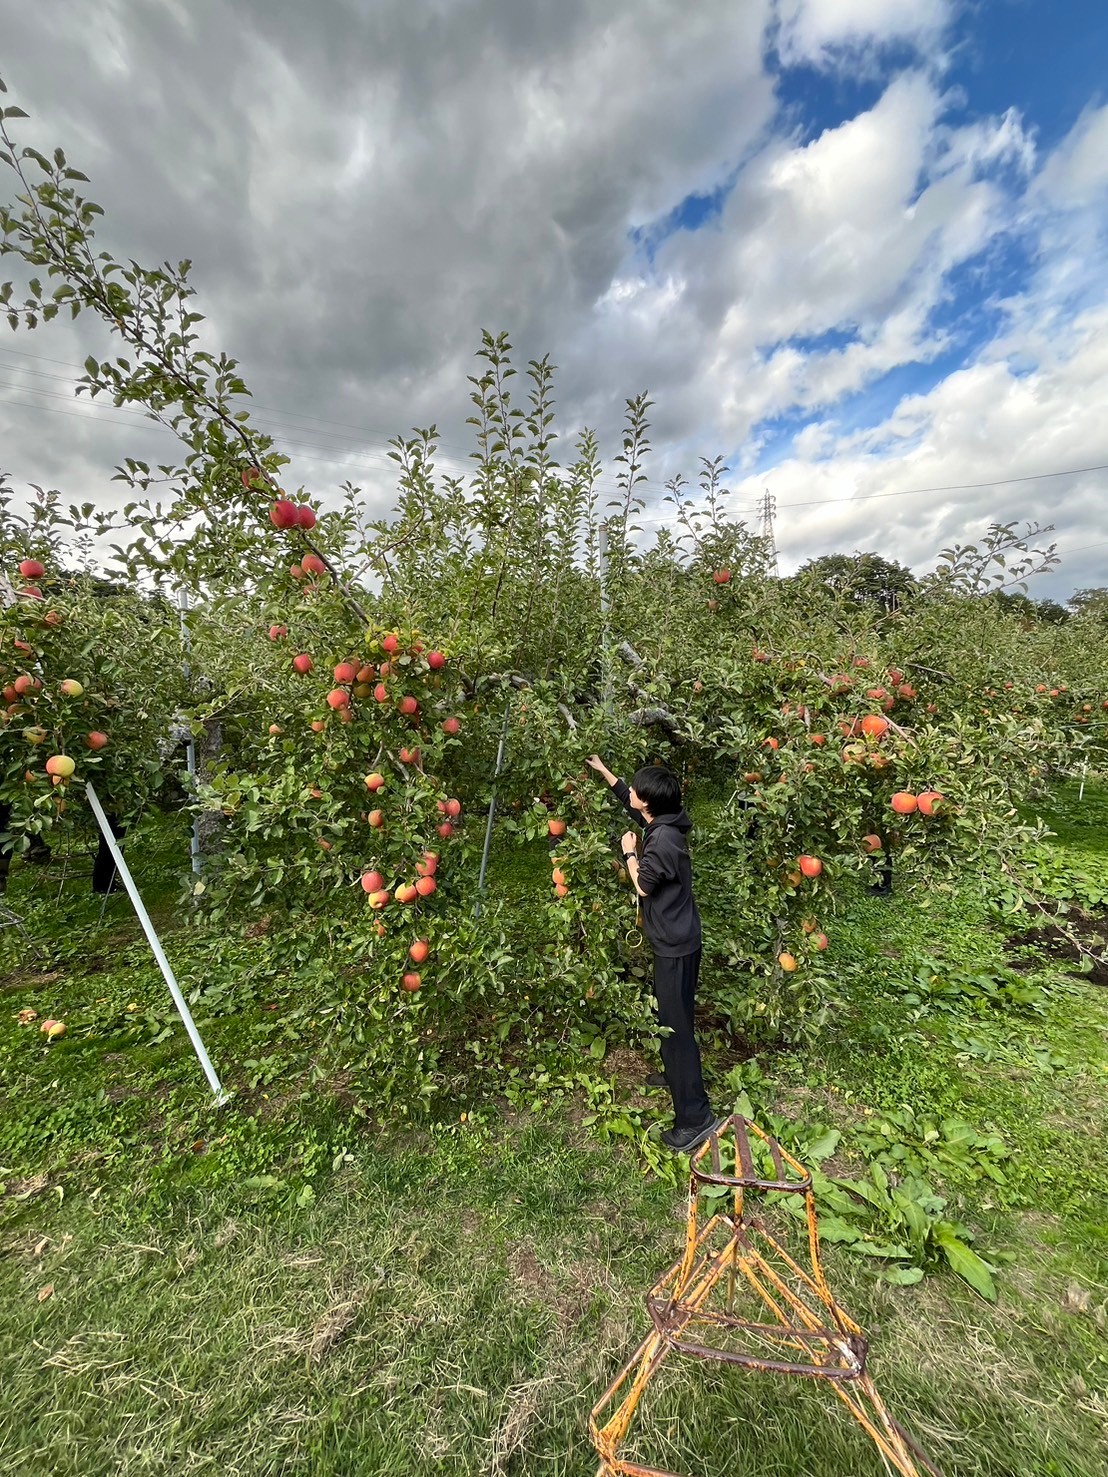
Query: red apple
[(904, 802), (372, 882), (446, 830), (453, 809), (305, 517), (425, 886), (810, 866), (376, 818), (374, 781), (381, 693), (451, 726), (313, 564), (419, 951), (408, 706), (556, 827), (31, 569), (390, 643), (411, 982), (283, 514), (96, 740), (60, 765), (345, 673), (278, 633), (436, 661), (303, 663)]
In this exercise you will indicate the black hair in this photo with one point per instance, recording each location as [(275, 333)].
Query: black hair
[(659, 789)]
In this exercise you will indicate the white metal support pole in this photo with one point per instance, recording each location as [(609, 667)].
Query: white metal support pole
[(492, 808), (221, 1096), (1084, 772), (602, 553), (190, 747)]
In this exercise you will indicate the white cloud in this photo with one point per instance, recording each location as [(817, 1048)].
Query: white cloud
[(1077, 172), (853, 234), (819, 31), (987, 420)]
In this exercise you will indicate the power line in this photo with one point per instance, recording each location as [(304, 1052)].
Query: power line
[(952, 487), (606, 481)]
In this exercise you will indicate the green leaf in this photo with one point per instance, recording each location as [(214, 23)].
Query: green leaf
[(881, 1248), (965, 1263), (833, 1228), (823, 1147), (902, 1276)]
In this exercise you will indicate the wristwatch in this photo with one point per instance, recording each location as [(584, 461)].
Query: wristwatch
[(630, 856)]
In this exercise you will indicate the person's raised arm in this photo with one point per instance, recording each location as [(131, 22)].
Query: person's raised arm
[(617, 786), (595, 762)]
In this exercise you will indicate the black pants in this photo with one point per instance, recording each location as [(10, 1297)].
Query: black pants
[(675, 983), (103, 868)]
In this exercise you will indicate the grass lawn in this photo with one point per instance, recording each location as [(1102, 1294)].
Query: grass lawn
[(278, 1288)]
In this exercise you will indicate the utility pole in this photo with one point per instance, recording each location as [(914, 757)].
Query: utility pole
[(769, 508)]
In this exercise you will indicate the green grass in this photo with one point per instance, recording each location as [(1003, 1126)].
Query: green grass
[(274, 1289)]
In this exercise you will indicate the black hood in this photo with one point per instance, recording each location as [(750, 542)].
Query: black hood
[(680, 821)]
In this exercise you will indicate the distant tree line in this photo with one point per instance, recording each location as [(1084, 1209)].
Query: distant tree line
[(870, 579)]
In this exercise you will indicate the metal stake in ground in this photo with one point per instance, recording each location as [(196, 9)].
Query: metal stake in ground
[(492, 808), (190, 748), (221, 1096)]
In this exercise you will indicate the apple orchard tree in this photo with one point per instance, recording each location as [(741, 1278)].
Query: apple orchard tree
[(364, 673)]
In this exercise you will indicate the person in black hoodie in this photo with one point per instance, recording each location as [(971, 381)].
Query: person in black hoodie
[(662, 876)]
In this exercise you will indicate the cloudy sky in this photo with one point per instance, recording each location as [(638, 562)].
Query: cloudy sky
[(860, 247)]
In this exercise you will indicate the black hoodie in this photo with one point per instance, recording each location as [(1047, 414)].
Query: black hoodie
[(669, 916)]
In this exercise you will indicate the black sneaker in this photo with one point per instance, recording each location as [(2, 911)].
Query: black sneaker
[(656, 1079), (685, 1140)]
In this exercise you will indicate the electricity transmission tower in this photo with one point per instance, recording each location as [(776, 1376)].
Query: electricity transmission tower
[(769, 508)]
